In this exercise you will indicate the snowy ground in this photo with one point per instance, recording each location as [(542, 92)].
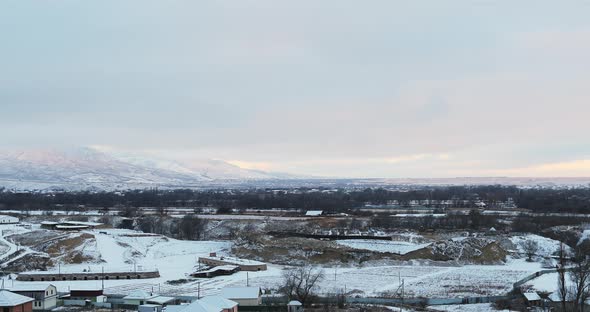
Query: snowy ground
[(421, 280), (545, 246), (175, 259), (381, 245)]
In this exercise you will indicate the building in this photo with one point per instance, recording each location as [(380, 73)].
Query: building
[(137, 298), (70, 225), (244, 264), (314, 213), (217, 271), (206, 304), (244, 296), (11, 302), (44, 295), (4, 219), (91, 295), (226, 305), (532, 299)]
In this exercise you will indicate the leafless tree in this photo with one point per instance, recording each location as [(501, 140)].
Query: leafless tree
[(530, 248), (580, 276), (301, 283), (562, 290)]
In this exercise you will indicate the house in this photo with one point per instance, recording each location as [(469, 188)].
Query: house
[(11, 302), (294, 306), (149, 308), (45, 295), (226, 305), (314, 213), (206, 304), (532, 299), (244, 296), (91, 295), (162, 300), (138, 297)]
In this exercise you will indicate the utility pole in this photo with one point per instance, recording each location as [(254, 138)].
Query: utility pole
[(103, 278), (335, 269), (198, 290), (247, 280)]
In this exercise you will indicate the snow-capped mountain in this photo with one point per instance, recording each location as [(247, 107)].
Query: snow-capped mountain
[(89, 168)]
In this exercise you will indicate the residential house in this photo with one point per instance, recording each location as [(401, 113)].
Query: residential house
[(244, 296), (226, 305), (11, 302), (138, 297), (45, 295)]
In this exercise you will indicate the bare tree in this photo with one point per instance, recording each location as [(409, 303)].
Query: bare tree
[(530, 248), (580, 275), (192, 227), (301, 283), (562, 290)]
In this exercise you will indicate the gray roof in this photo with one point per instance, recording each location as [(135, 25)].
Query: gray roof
[(10, 299), (30, 287)]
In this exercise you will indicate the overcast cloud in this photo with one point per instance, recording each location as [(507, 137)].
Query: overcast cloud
[(329, 88)]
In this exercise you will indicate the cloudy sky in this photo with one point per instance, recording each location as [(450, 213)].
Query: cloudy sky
[(331, 88)]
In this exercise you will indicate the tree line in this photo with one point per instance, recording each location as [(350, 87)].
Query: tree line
[(571, 200)]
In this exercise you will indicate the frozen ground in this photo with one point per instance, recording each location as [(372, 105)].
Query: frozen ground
[(381, 245)]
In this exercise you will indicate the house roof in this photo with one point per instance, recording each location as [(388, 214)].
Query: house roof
[(161, 299), (240, 292), (294, 303), (219, 302), (139, 295), (197, 306), (30, 287), (314, 212), (10, 299), (532, 296)]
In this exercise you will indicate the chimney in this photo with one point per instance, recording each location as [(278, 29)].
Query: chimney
[(213, 254)]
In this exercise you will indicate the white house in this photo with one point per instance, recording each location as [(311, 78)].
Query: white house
[(138, 297), (314, 213), (4, 219), (45, 295), (244, 296)]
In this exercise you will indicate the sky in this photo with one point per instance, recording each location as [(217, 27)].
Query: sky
[(332, 88)]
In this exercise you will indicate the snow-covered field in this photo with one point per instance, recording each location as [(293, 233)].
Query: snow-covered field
[(381, 245), (545, 246), (420, 280), (116, 249)]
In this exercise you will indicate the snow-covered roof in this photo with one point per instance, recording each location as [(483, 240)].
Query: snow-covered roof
[(226, 267), (30, 287), (240, 292), (197, 306), (161, 299), (139, 295), (314, 212), (532, 296), (10, 299), (294, 303), (218, 301)]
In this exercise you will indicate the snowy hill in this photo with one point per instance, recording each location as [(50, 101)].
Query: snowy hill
[(88, 168)]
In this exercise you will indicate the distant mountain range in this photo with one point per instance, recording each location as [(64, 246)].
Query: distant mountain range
[(89, 168), (94, 169)]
